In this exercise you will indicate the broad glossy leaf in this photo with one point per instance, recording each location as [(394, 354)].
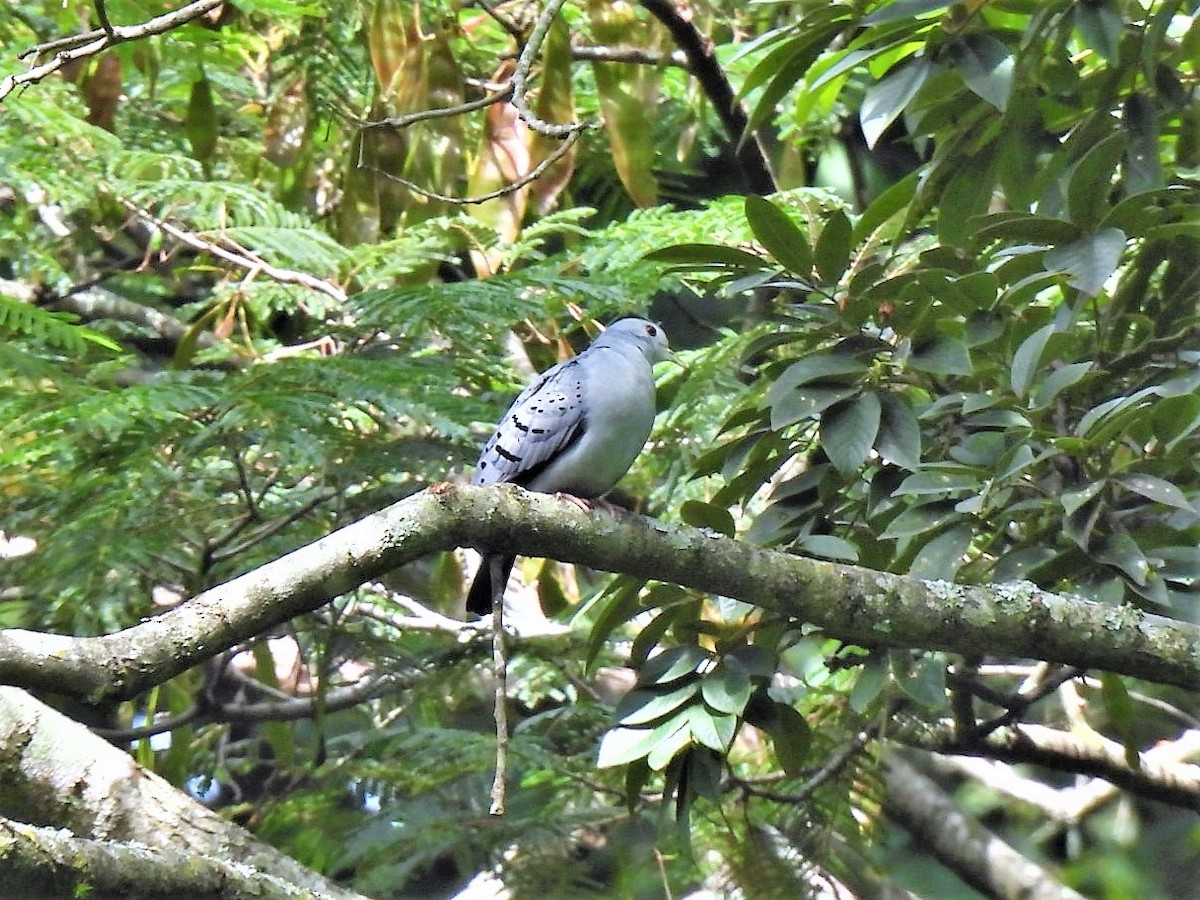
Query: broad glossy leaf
[(827, 546), (1073, 500), (848, 431), (671, 743), (942, 356), (1122, 551), (620, 605), (899, 438), (832, 254), (727, 688), (1101, 23), (1142, 169), (872, 679), (986, 65), (1091, 183), (807, 401), (1058, 381), (886, 205), (918, 520), (779, 234), (902, 9), (641, 707), (1026, 362), (1118, 705), (792, 739), (623, 745), (712, 730), (941, 481), (1023, 228), (705, 254), (707, 515), (825, 367), (1153, 488), (886, 99), (673, 664), (942, 557)]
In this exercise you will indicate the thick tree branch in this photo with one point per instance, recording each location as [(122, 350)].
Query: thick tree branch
[(51, 862), (973, 852), (852, 603), (54, 772)]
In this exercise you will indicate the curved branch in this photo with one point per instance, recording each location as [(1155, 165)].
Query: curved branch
[(852, 603), (971, 851), (76, 47), (703, 64), (1157, 777)]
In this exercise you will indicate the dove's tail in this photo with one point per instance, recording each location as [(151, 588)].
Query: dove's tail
[(479, 597)]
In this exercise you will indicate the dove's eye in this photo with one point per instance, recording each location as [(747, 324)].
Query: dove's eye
[(652, 331)]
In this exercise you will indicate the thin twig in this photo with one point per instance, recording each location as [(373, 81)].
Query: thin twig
[(102, 15), (100, 40), (500, 673), (533, 175), (521, 75), (244, 260), (440, 112)]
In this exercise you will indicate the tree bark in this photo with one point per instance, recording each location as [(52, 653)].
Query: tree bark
[(854, 604), (56, 774)]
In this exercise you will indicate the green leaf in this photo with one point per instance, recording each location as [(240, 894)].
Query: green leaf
[(886, 205), (899, 438), (622, 604), (1090, 261), (1058, 381), (779, 235), (942, 356), (727, 688), (918, 520), (902, 9), (1118, 705), (1123, 552), (709, 729), (940, 480), (673, 664), (673, 740), (201, 123), (1143, 171), (705, 255), (1157, 489), (1091, 183), (640, 707), (986, 65), (1072, 500), (833, 247), (806, 402), (826, 546), (707, 515), (886, 99), (818, 367), (943, 556), (872, 679), (1026, 362), (792, 739), (848, 432), (1101, 23)]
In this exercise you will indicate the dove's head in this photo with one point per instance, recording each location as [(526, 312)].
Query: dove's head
[(641, 334)]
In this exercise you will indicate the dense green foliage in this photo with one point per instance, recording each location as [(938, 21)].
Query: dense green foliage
[(959, 342)]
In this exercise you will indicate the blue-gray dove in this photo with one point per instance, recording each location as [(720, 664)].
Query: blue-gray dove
[(576, 429)]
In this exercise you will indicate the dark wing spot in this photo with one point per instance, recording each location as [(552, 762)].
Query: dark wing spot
[(509, 456)]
